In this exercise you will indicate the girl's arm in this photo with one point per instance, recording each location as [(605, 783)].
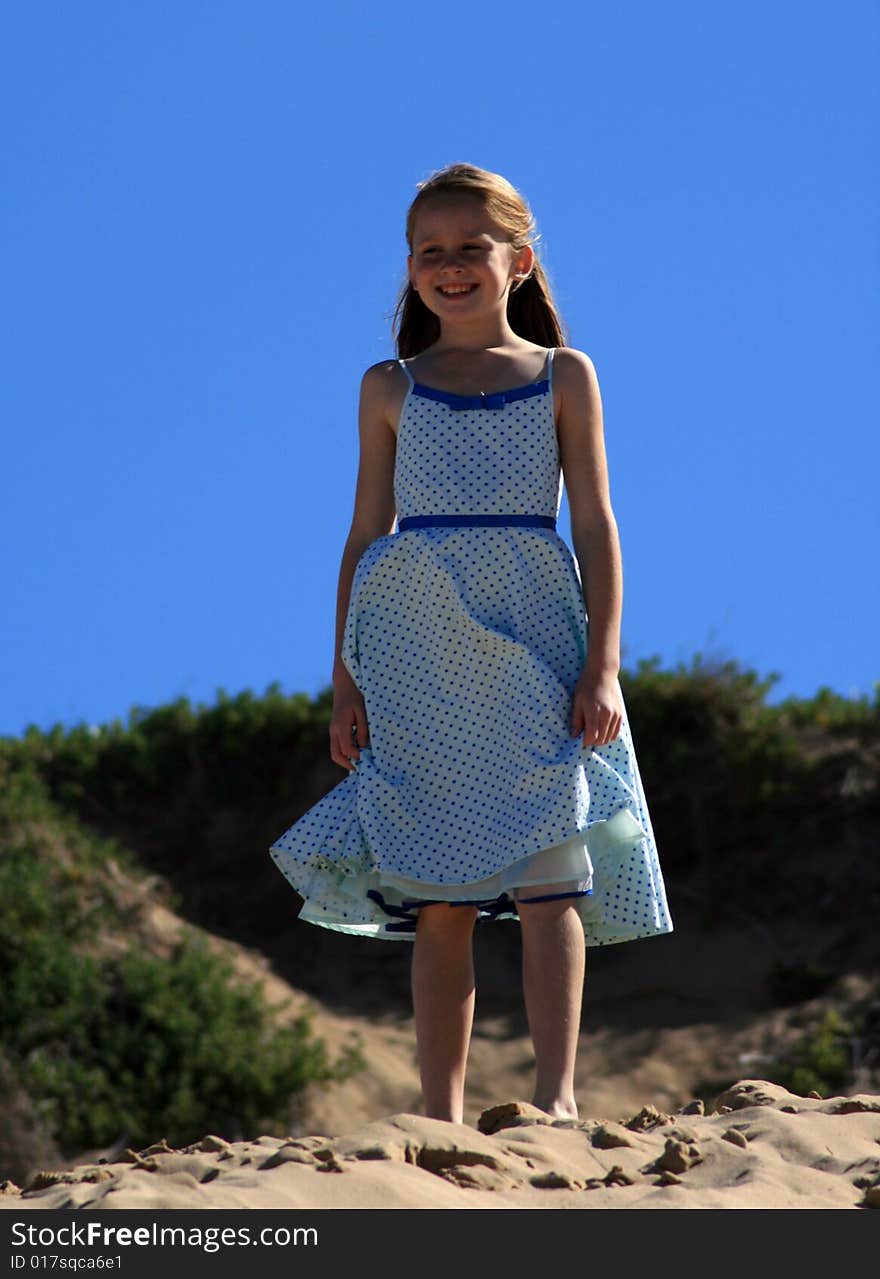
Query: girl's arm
[(596, 541), (374, 495), (373, 517)]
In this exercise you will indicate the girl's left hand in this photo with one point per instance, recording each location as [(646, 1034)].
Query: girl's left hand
[(597, 709)]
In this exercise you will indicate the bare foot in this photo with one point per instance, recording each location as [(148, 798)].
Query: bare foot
[(558, 1108)]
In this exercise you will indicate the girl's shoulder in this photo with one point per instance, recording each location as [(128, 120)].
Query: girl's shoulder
[(570, 362), (383, 389), (384, 376), (574, 375)]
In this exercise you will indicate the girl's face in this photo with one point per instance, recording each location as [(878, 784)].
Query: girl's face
[(462, 263)]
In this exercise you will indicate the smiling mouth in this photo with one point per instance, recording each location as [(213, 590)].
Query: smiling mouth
[(455, 290)]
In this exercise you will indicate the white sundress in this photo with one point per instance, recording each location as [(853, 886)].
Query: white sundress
[(466, 633)]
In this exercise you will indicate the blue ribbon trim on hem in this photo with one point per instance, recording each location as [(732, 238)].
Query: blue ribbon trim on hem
[(488, 908)]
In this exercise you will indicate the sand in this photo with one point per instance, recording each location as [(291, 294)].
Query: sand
[(760, 1147)]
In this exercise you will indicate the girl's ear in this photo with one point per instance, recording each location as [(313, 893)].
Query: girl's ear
[(523, 264), (409, 261)]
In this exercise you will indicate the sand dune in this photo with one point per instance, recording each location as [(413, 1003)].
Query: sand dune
[(760, 1147)]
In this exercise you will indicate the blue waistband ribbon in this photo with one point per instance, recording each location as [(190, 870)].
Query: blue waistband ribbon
[(475, 521)]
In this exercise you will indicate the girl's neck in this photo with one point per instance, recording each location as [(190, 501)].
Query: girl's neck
[(482, 335)]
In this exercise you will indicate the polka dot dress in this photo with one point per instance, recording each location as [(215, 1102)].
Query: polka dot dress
[(466, 633)]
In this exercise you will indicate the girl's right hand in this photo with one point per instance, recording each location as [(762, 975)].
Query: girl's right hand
[(348, 724)]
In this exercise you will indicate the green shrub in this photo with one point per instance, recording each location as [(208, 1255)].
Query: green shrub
[(113, 1042), (153, 1048), (820, 1061)]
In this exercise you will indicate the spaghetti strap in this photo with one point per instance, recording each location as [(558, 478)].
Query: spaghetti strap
[(405, 368), (550, 355)]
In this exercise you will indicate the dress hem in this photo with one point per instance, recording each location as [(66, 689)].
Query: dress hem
[(615, 847)]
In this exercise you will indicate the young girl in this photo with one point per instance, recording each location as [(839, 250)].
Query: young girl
[(491, 772)]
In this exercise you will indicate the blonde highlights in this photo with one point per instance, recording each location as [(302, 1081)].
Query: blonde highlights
[(531, 311)]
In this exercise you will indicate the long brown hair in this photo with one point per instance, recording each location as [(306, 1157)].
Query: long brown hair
[(531, 311)]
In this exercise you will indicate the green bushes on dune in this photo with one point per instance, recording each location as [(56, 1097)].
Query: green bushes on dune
[(820, 1060), (110, 1041), (733, 782)]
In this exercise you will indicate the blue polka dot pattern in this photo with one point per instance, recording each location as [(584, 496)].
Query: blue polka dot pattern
[(467, 643)]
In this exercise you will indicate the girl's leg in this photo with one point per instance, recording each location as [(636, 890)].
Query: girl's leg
[(554, 959), (443, 990)]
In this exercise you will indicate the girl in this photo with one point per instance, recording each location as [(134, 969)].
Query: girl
[(477, 710)]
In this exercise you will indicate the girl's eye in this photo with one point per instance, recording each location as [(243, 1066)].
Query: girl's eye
[(425, 253)]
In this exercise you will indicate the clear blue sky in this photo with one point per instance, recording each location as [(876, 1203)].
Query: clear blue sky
[(203, 241)]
